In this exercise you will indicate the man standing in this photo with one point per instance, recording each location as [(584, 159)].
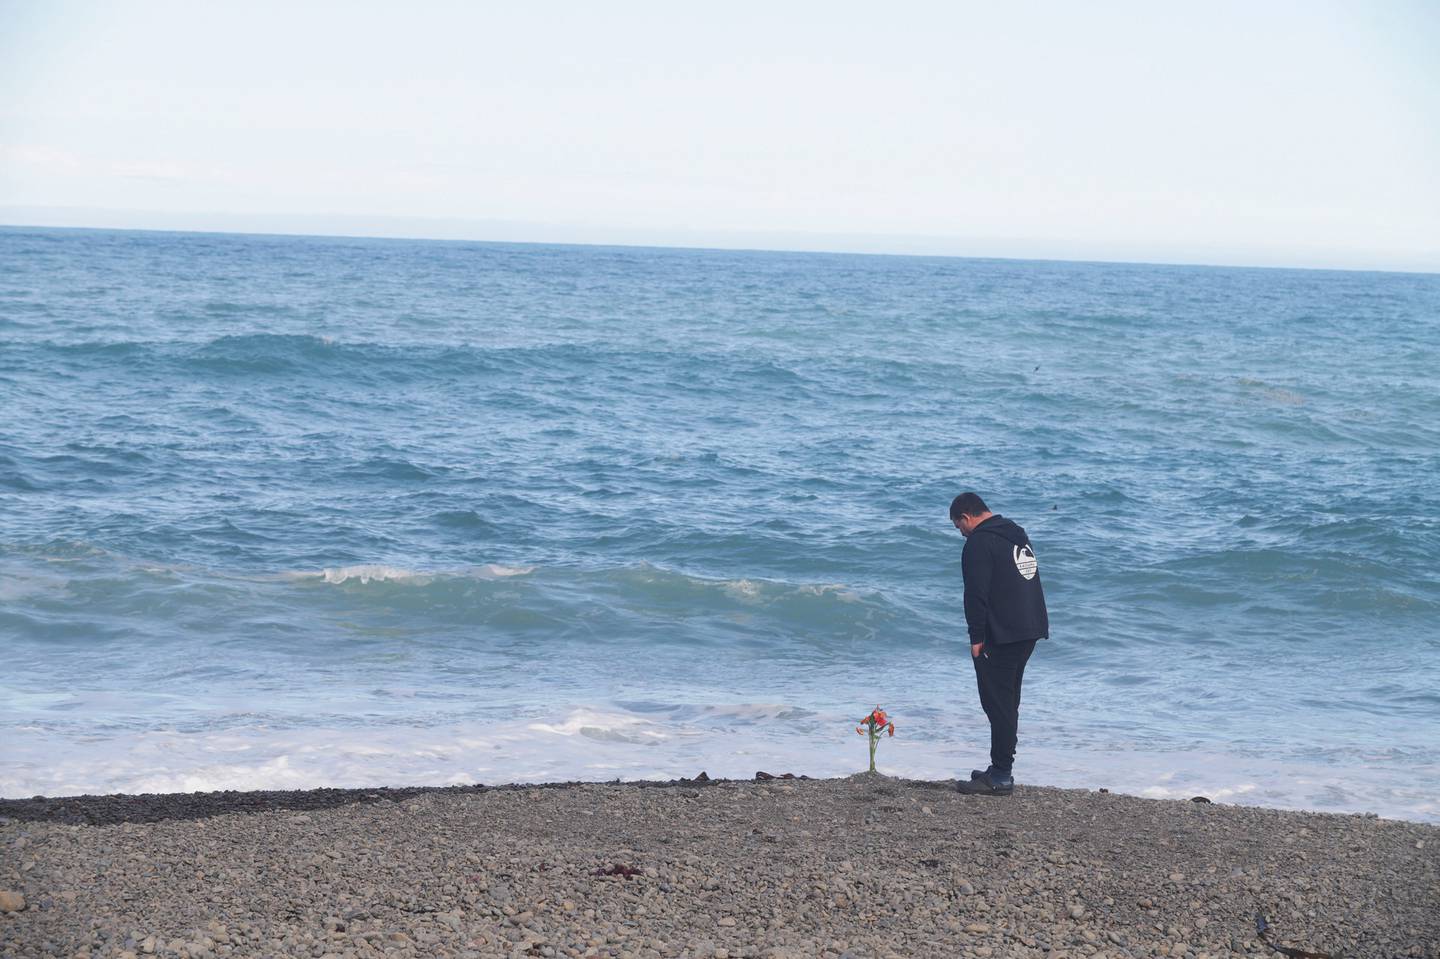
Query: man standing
[(1006, 616)]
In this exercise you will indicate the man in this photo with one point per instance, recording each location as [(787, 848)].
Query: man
[(1006, 616)]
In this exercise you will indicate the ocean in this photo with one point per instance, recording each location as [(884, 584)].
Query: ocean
[(281, 512)]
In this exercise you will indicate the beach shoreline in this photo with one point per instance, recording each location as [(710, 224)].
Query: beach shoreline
[(862, 866)]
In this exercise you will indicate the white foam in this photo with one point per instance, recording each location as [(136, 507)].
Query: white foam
[(747, 591), (753, 591), (1215, 794), (498, 571), (843, 593), (374, 572), (598, 742), (603, 727), (381, 573)]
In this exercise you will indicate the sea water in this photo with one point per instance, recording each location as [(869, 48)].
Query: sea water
[(283, 512)]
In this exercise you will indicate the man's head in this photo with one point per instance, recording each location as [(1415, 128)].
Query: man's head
[(968, 511)]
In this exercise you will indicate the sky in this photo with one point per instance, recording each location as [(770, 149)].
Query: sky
[(1269, 133)]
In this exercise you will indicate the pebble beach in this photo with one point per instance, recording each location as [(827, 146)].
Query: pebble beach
[(863, 866)]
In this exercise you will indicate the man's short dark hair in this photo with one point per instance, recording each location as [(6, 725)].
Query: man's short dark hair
[(967, 504)]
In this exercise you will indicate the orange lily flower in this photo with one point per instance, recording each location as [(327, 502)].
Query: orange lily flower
[(877, 724)]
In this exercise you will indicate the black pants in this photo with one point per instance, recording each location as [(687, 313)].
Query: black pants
[(999, 670)]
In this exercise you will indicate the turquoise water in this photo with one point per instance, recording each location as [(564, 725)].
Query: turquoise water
[(281, 511)]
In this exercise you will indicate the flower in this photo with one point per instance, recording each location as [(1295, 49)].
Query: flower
[(876, 724)]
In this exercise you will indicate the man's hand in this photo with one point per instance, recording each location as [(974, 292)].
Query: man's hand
[(975, 650)]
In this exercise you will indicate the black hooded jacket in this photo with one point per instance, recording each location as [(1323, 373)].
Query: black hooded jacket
[(1004, 602)]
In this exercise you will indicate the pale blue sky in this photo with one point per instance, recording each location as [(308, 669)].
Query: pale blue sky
[(1302, 134)]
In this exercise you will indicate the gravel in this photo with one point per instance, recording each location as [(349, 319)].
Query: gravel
[(865, 866)]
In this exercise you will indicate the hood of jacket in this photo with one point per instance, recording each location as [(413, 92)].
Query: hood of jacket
[(1004, 528)]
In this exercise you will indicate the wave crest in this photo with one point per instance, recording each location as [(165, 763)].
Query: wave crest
[(381, 573)]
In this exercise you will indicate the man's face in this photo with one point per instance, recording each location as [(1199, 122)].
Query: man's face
[(965, 524)]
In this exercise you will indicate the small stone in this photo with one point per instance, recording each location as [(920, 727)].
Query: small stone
[(148, 946), (11, 902), (726, 921), (1076, 911), (978, 927)]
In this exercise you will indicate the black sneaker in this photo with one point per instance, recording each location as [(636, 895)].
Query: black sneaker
[(987, 784)]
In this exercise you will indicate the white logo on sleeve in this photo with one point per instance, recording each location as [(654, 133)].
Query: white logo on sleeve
[(1025, 561)]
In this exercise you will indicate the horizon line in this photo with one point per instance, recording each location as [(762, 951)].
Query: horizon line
[(745, 241)]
